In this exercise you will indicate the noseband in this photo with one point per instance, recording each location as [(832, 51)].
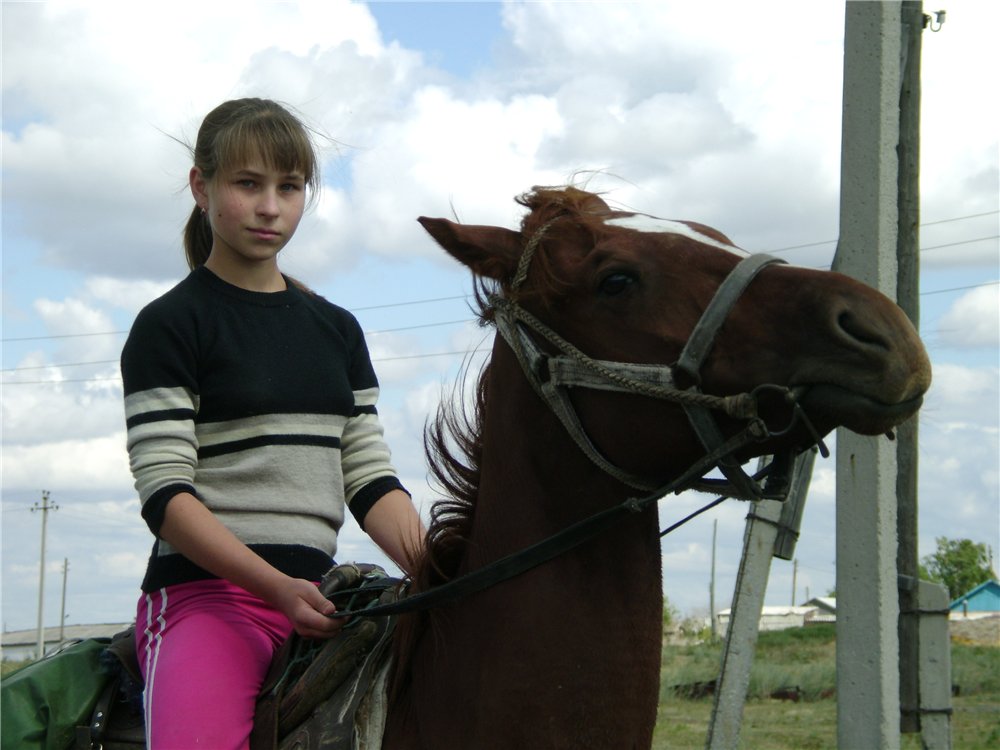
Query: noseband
[(551, 376)]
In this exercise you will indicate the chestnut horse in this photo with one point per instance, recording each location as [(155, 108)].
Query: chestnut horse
[(567, 655)]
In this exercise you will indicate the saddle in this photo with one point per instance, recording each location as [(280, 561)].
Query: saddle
[(318, 695)]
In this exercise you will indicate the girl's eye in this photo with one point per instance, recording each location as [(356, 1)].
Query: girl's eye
[(246, 183), (615, 283)]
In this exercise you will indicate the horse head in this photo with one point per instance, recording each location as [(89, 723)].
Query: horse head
[(811, 350)]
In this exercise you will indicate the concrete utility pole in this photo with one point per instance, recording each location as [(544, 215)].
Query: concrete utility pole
[(867, 602), (62, 609), (45, 507), (711, 585), (795, 575)]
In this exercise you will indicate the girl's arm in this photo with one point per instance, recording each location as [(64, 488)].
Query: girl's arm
[(394, 525), (195, 532)]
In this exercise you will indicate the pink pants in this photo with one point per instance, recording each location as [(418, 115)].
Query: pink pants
[(204, 649)]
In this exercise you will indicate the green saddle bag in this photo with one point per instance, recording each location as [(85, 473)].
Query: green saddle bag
[(42, 703)]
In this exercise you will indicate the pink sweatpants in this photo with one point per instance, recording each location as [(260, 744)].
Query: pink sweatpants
[(204, 649)]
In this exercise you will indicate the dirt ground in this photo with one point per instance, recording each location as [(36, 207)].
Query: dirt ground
[(982, 631)]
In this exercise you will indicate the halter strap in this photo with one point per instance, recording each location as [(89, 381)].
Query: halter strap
[(551, 376)]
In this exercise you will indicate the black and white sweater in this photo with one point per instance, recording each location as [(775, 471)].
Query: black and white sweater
[(263, 407)]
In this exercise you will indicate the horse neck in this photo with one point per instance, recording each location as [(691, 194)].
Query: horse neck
[(535, 481), (565, 655)]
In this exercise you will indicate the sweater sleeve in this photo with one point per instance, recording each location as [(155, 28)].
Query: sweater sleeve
[(365, 457), (161, 400)]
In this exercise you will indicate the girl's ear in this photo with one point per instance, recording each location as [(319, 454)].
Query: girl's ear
[(199, 188)]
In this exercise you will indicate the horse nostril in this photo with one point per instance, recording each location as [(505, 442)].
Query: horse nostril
[(860, 330)]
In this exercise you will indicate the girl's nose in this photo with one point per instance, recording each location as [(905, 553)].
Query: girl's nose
[(268, 204)]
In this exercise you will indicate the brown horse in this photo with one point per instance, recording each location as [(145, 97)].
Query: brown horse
[(567, 655)]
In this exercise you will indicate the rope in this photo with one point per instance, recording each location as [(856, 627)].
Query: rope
[(527, 254), (739, 406)]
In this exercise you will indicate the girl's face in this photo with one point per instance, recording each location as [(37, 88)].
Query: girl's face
[(253, 210)]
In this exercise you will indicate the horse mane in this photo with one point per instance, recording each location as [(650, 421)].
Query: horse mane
[(453, 440)]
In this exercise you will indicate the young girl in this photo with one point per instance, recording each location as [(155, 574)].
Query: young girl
[(250, 407)]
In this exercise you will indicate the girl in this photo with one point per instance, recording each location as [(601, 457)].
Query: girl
[(250, 408)]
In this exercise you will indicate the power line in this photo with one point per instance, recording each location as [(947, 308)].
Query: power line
[(117, 379), (389, 305), (354, 309), (924, 224)]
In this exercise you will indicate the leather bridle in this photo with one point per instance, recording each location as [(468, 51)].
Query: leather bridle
[(552, 375)]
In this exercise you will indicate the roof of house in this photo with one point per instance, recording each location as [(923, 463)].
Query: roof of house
[(988, 592), (827, 603), (776, 611)]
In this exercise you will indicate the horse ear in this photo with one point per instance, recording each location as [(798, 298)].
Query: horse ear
[(488, 251)]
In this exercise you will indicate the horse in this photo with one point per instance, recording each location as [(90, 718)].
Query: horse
[(635, 354)]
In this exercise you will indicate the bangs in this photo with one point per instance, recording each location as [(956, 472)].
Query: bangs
[(280, 142)]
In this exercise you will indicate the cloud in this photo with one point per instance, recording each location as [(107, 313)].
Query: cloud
[(973, 320), (69, 464), (736, 124)]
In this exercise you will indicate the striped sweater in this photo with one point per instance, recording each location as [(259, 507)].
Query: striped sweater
[(262, 405)]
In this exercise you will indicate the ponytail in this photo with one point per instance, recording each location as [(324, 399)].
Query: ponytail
[(197, 238)]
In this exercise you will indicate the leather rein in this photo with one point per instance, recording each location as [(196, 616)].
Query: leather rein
[(552, 375)]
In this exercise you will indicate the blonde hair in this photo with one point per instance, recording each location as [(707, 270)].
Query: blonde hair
[(236, 133)]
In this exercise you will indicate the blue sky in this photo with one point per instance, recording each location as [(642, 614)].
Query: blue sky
[(431, 108)]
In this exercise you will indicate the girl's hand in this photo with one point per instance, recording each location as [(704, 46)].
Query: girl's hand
[(308, 609), (192, 529)]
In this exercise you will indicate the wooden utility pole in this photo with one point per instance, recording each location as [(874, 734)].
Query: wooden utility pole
[(45, 507), (907, 296), (795, 575), (711, 585), (62, 609)]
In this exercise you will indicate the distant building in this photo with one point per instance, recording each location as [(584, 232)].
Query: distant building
[(984, 599), (826, 609), (772, 618), (18, 645)]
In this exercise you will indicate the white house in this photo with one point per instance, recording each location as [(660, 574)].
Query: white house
[(826, 609), (773, 618)]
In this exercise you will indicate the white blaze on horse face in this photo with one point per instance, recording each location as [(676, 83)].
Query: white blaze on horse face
[(646, 223)]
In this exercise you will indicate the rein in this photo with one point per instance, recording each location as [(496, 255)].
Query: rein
[(551, 376)]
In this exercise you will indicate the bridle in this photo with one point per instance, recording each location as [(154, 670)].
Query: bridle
[(552, 375)]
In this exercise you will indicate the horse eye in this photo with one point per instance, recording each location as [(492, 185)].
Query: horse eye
[(615, 283)]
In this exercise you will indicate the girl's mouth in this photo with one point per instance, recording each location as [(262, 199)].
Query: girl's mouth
[(264, 234)]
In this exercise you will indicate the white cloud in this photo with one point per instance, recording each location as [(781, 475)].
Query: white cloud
[(734, 124), (974, 319), (96, 463), (962, 394)]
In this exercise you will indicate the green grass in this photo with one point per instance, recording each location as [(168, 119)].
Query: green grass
[(7, 666), (806, 658)]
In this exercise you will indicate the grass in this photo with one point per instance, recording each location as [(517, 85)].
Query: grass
[(7, 666), (805, 658)]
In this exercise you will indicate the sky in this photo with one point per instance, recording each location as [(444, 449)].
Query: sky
[(720, 112)]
